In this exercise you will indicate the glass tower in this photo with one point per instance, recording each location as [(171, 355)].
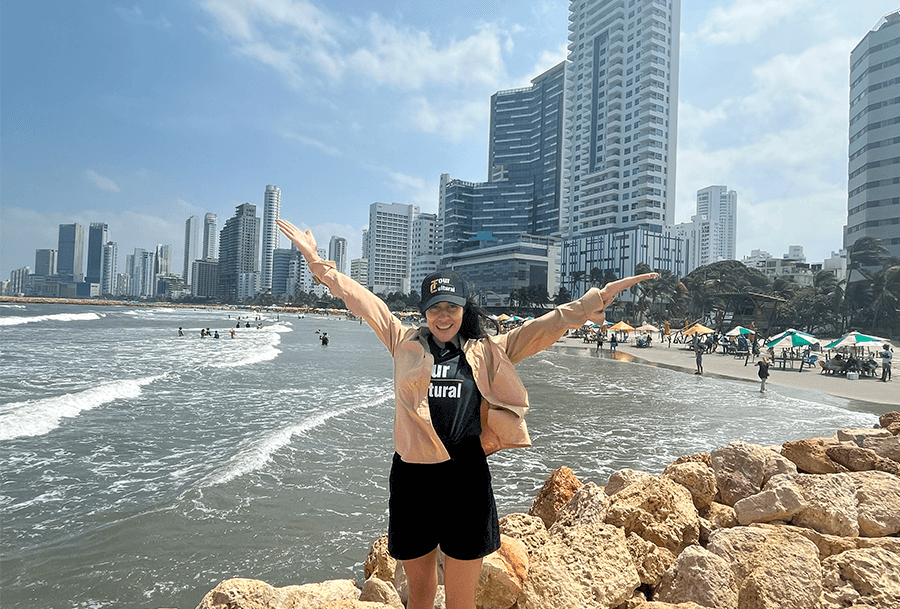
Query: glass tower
[(270, 234)]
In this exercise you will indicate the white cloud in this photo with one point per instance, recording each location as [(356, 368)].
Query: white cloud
[(329, 150), (454, 121), (136, 15), (101, 181), (746, 20), (416, 191)]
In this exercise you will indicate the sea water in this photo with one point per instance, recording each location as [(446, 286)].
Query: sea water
[(141, 468)]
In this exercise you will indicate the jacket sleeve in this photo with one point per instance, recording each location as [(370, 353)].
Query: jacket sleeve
[(537, 334), (361, 303)]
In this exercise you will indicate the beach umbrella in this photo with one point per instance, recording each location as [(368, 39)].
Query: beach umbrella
[(793, 338), (647, 328), (698, 329), (738, 330), (621, 327), (790, 332), (855, 339)]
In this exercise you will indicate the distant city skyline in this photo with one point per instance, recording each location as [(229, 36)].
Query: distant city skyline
[(141, 117)]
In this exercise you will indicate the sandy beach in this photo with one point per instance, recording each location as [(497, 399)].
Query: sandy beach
[(677, 357)]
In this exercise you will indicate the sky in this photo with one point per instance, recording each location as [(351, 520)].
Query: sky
[(141, 115)]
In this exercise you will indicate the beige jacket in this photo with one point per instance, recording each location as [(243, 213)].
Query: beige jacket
[(504, 398)]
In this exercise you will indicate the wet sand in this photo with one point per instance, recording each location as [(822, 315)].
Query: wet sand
[(677, 357)]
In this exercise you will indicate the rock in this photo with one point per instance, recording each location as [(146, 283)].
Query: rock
[(772, 567), (740, 470), (720, 516), (377, 590), (857, 435), (556, 492), (503, 573), (701, 577), (586, 567), (858, 459), (351, 605), (658, 510), (241, 593), (809, 455), (889, 447), (530, 530), (701, 457), (866, 577), (829, 503), (587, 506), (657, 605), (778, 503), (889, 418), (697, 478), (649, 559), (378, 562), (623, 478), (877, 495)]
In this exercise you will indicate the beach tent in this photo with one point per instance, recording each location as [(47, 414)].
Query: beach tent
[(738, 330), (698, 329), (621, 327), (855, 339), (792, 338), (647, 328)]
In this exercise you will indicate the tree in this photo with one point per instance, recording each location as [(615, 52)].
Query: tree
[(563, 296)]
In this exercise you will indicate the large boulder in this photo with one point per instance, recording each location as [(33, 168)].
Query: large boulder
[(858, 459), (742, 469), (778, 503), (588, 505), (772, 567), (701, 577), (877, 496), (240, 593), (697, 478), (659, 605), (624, 477), (378, 562), (530, 530), (377, 590), (810, 455), (556, 492), (649, 559), (890, 421), (582, 567), (658, 510), (889, 447), (503, 574), (867, 577), (857, 435)]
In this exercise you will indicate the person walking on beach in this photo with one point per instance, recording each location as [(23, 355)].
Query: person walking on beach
[(886, 356), (763, 373), (180, 331), (613, 343), (457, 400), (698, 350)]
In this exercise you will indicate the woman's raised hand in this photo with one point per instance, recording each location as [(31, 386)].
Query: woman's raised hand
[(304, 241), (609, 291)]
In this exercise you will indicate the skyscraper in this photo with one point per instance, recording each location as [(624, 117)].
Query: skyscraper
[(191, 247), (337, 251), (210, 237), (270, 234), (162, 261), (390, 228), (98, 235), (719, 206), (109, 271), (45, 262), (70, 258), (239, 253), (873, 204), (620, 141)]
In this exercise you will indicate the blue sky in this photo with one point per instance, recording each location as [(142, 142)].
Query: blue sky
[(143, 114)]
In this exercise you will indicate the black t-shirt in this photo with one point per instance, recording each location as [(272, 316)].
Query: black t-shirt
[(453, 397)]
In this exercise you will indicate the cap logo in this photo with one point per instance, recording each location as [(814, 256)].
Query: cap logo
[(438, 285)]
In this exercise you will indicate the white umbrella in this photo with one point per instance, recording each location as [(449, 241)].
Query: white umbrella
[(792, 338), (738, 330), (855, 339)]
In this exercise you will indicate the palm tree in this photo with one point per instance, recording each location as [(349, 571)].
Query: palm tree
[(865, 253), (886, 298)]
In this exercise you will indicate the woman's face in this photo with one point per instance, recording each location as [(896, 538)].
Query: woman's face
[(444, 320)]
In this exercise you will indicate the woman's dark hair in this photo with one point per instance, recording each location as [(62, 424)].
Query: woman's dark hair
[(474, 322)]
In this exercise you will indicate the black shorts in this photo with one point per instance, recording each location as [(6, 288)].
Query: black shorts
[(449, 504)]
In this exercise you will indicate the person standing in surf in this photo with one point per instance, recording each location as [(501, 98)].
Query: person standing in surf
[(457, 400)]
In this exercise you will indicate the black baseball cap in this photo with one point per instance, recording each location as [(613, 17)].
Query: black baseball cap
[(443, 286)]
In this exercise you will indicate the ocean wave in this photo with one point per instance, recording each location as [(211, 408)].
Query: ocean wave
[(39, 417), (17, 321), (259, 452)]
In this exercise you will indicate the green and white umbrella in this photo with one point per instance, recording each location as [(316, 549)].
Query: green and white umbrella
[(855, 339), (792, 338), (738, 330)]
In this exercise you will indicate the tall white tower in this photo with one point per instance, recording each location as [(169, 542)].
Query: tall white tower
[(210, 237), (620, 116), (337, 251), (719, 206), (388, 247), (270, 235), (191, 247)]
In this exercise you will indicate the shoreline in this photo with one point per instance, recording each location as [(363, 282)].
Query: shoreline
[(716, 365)]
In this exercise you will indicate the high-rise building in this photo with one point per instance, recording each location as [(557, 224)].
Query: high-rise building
[(620, 140), (191, 247), (210, 237), (163, 260), (45, 262), (270, 234), (337, 251), (109, 272), (425, 249), (206, 278), (719, 206), (284, 273), (239, 254), (390, 227), (98, 235), (359, 270), (70, 257), (873, 204)]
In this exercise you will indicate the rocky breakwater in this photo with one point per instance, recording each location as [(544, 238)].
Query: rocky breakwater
[(808, 524)]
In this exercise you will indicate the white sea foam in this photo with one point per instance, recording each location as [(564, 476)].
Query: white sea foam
[(38, 417), (17, 321), (259, 452)]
